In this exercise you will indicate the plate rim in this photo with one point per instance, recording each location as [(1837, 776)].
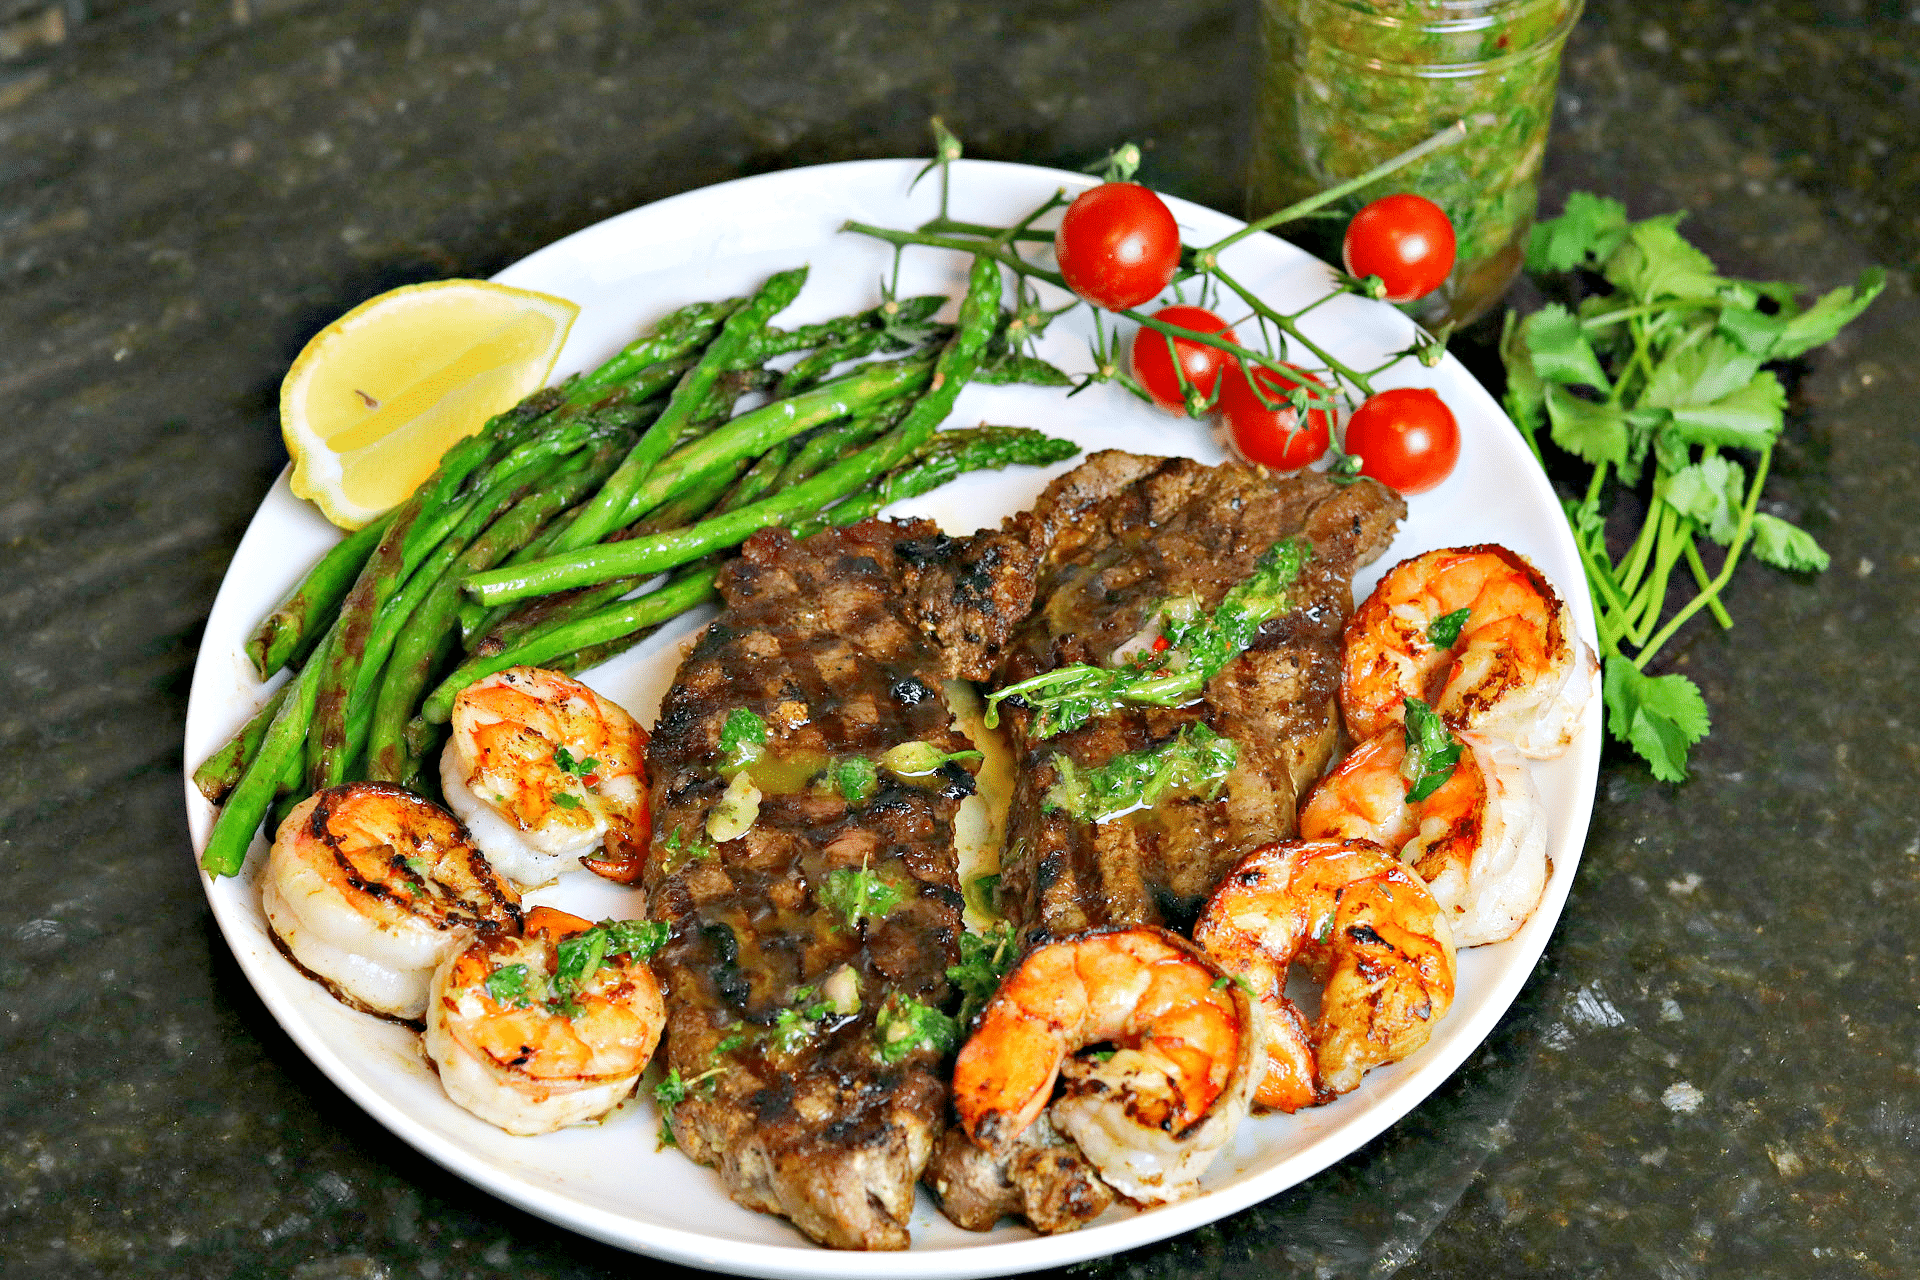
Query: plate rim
[(990, 1257)]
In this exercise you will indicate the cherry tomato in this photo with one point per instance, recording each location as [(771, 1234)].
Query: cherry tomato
[(1406, 240), (1118, 245), (1272, 437), (1406, 438), (1153, 363)]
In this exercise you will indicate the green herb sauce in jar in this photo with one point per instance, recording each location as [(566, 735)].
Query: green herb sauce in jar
[(1347, 84)]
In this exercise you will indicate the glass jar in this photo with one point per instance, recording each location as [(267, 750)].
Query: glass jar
[(1347, 84)]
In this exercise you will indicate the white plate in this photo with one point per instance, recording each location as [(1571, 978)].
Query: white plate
[(610, 1181)]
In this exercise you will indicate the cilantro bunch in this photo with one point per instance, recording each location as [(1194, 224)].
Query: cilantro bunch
[(1656, 377)]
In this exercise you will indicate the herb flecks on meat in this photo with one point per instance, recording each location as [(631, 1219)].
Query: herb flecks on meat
[(1196, 650), (1195, 761)]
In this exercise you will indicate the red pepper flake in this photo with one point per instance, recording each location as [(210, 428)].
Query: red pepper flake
[(1160, 644)]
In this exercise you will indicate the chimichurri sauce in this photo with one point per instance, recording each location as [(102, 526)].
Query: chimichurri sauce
[(1347, 84)]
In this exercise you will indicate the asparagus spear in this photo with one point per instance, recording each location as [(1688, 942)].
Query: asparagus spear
[(978, 314), (602, 515), (428, 633), (356, 658), (576, 642), (278, 640)]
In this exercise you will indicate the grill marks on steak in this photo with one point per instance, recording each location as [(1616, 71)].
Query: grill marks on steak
[(1113, 539), (819, 640)]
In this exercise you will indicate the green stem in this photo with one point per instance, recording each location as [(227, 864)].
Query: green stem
[(1720, 579), (1701, 580), (1635, 564)]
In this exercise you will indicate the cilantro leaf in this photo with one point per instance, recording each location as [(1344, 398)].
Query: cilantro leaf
[(1525, 397), (1655, 262), (1444, 631), (567, 764), (1709, 492), (1825, 318), (1787, 546), (1198, 648), (508, 986), (1702, 373), (1595, 432), (984, 960), (636, 938), (1559, 351), (1748, 418), (566, 799), (1659, 716), (1432, 751), (1754, 331), (578, 959), (1588, 230)]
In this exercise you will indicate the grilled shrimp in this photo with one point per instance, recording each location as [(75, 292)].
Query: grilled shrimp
[(1356, 914), (1516, 669), (1153, 1114), (1479, 840), (524, 1049), (369, 887), (543, 770)]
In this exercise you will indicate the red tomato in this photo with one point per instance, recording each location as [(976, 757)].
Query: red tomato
[(1272, 437), (1406, 240), (1153, 362), (1406, 438), (1118, 245)]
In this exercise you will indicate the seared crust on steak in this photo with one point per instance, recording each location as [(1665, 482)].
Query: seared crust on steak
[(819, 640), (1041, 1176), (1114, 539)]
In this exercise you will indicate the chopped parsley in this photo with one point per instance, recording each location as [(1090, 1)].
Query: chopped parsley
[(508, 985), (985, 959), (1432, 751), (737, 1040), (858, 895), (1198, 647), (856, 778), (578, 768), (743, 740), (566, 799), (681, 851), (580, 956), (793, 1028), (1195, 761), (904, 1026), (672, 1090), (1444, 631)]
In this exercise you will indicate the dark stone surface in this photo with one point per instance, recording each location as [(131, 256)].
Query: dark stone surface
[(1713, 1072)]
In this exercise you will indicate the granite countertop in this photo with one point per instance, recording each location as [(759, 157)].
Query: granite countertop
[(1711, 1073)]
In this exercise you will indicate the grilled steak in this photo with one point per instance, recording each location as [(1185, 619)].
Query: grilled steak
[(1115, 540), (801, 950)]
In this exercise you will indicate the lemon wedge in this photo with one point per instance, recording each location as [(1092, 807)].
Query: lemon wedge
[(378, 395)]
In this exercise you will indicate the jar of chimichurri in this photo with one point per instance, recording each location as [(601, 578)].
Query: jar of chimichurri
[(1347, 84)]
